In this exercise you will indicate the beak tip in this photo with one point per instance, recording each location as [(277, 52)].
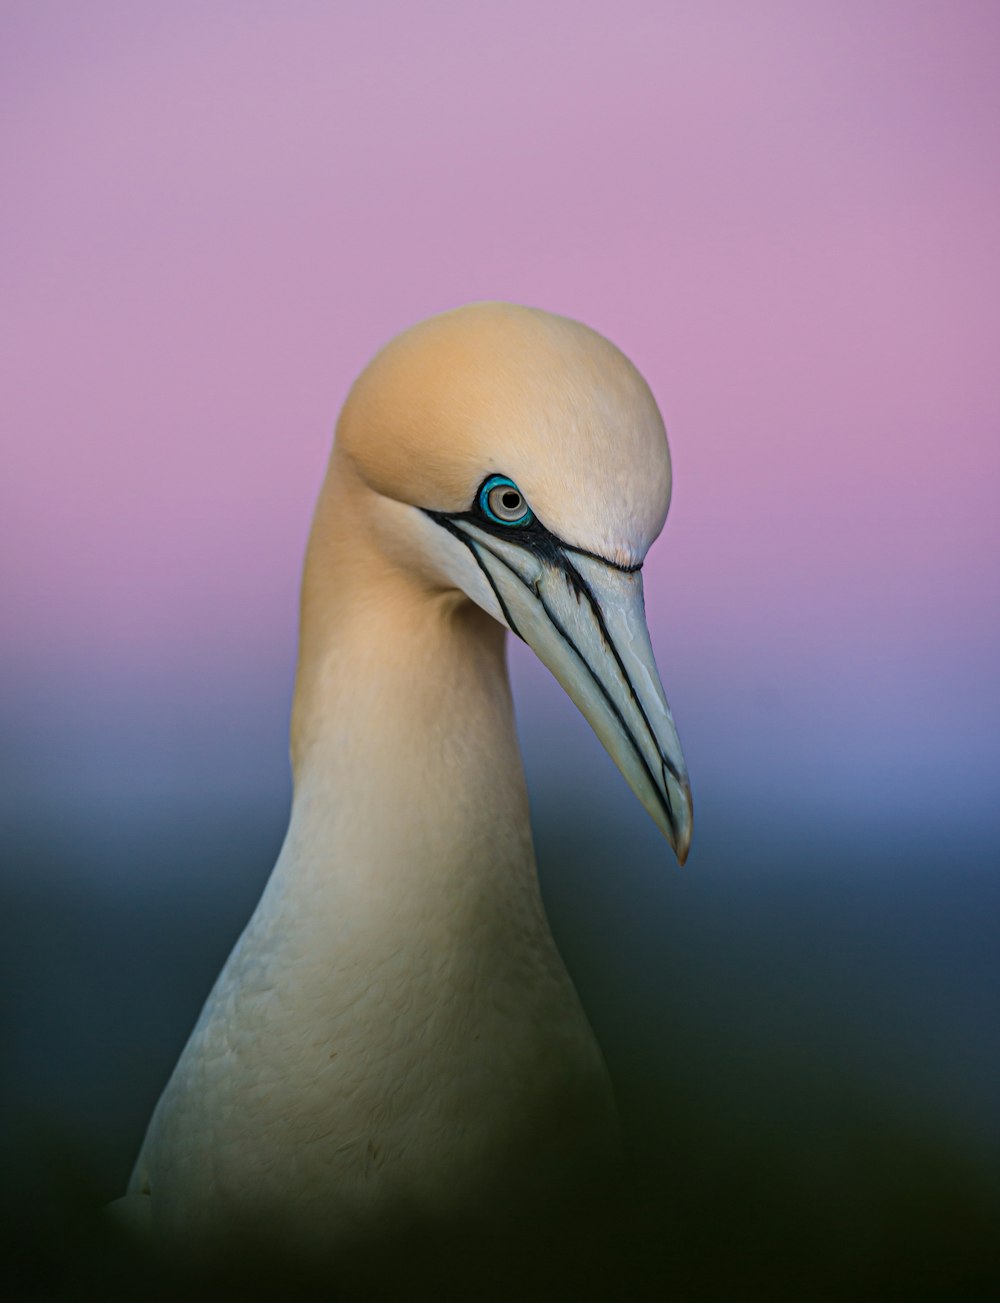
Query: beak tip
[(682, 844)]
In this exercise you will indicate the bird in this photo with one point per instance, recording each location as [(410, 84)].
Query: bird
[(395, 1039)]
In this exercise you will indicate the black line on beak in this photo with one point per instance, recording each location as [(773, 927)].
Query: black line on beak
[(596, 556), (662, 795), (581, 586), (470, 544), (534, 536)]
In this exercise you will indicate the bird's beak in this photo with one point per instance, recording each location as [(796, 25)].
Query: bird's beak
[(584, 618)]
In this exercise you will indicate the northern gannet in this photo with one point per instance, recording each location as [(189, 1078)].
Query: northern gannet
[(395, 1036)]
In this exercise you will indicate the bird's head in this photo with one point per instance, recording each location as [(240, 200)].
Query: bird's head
[(520, 458)]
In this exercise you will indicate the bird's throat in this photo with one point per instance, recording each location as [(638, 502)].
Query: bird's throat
[(408, 775)]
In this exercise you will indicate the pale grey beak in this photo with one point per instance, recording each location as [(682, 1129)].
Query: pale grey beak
[(584, 618)]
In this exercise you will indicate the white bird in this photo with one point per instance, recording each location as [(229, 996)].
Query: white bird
[(395, 1038)]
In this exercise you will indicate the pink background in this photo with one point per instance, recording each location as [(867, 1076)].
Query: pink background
[(785, 213)]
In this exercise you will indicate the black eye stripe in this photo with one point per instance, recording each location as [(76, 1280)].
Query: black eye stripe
[(527, 531)]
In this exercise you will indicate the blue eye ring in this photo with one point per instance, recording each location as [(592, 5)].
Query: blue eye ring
[(501, 501)]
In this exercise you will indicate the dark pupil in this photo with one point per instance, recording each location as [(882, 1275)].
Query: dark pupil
[(511, 500)]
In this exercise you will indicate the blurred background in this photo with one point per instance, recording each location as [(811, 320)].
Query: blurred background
[(787, 215)]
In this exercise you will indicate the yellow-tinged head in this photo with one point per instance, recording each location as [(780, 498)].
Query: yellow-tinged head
[(520, 458), (494, 387)]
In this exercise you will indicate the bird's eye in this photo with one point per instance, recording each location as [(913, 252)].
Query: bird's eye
[(501, 500)]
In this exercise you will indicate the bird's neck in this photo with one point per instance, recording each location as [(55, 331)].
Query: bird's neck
[(409, 791)]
